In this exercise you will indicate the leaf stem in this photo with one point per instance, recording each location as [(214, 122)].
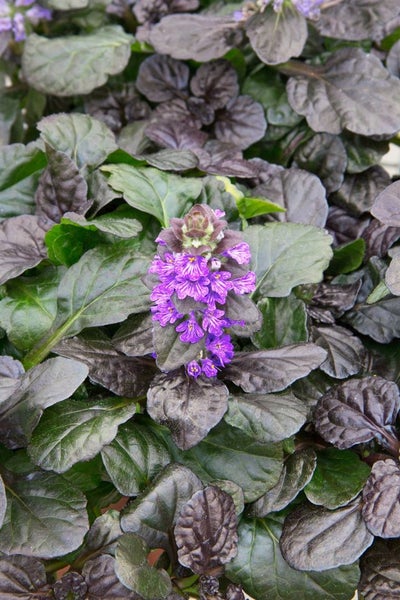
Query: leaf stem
[(39, 352)]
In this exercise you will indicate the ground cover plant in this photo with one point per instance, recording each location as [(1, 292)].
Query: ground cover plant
[(199, 300)]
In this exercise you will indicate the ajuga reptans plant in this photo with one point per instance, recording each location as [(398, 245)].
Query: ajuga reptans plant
[(199, 300)]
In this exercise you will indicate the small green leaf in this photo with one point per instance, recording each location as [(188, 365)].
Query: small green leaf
[(160, 194), (284, 323), (339, 476), (120, 223), (253, 207), (134, 571), (74, 431), (75, 64), (66, 243), (347, 258)]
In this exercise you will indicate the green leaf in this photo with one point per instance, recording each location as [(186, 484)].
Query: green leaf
[(228, 453), (103, 287), (259, 554), (120, 223), (75, 64), (74, 431), (138, 450), (29, 309), (339, 476), (160, 194), (46, 516), (9, 109), (266, 417), (3, 502), (20, 168), (84, 139), (254, 207), (285, 255), (66, 243), (44, 385), (153, 514), (347, 258), (67, 4), (134, 571), (284, 322)]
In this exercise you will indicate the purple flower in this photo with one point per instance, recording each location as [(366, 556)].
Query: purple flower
[(245, 284), (213, 321), (193, 369), (308, 8), (197, 290), (163, 268), (221, 347), (189, 266), (208, 368), (14, 16), (165, 313), (240, 253), (219, 287), (191, 330)]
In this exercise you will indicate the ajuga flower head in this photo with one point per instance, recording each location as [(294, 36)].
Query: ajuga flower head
[(17, 15), (200, 266)]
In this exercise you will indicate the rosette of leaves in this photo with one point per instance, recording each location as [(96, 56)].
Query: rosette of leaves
[(203, 113)]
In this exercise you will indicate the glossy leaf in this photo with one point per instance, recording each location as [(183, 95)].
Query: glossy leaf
[(358, 192), (339, 477), (135, 336), (358, 411), (296, 473), (162, 78), (363, 152), (66, 243), (217, 82), (266, 418), (380, 571), (277, 39), (265, 371), (284, 323), (153, 514), (21, 245), (318, 539), (325, 155), (381, 506), (46, 516), (75, 431), (200, 37), (22, 577), (346, 352), (285, 255), (170, 351), (259, 553), (386, 207), (188, 407), (347, 258), (160, 194), (85, 140), (332, 97), (206, 531), (228, 453), (41, 387), (102, 582), (138, 450), (379, 320), (134, 571), (242, 123), (75, 64)]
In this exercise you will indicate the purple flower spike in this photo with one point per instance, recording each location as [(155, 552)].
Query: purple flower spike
[(240, 253), (221, 347), (191, 331), (193, 369), (191, 267)]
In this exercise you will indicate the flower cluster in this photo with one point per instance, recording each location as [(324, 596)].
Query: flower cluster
[(199, 266), (15, 14)]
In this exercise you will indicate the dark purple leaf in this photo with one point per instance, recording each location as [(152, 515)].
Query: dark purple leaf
[(70, 586), (316, 539), (236, 307), (103, 533), (151, 11), (216, 82), (393, 59), (162, 78), (381, 499), (380, 571), (188, 407), (127, 376), (392, 275), (386, 207), (170, 351), (172, 160), (242, 123), (201, 110), (325, 155), (175, 134), (102, 582), (22, 577), (221, 159), (299, 192), (61, 189), (379, 237), (335, 297), (135, 336), (200, 37), (267, 371), (343, 226), (356, 20), (346, 353), (175, 111), (380, 320), (363, 152), (234, 592), (275, 39), (206, 531), (358, 192), (358, 411), (154, 513), (21, 245), (352, 90), (117, 107), (296, 473)]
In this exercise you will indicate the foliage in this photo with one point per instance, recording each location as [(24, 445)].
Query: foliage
[(199, 300)]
